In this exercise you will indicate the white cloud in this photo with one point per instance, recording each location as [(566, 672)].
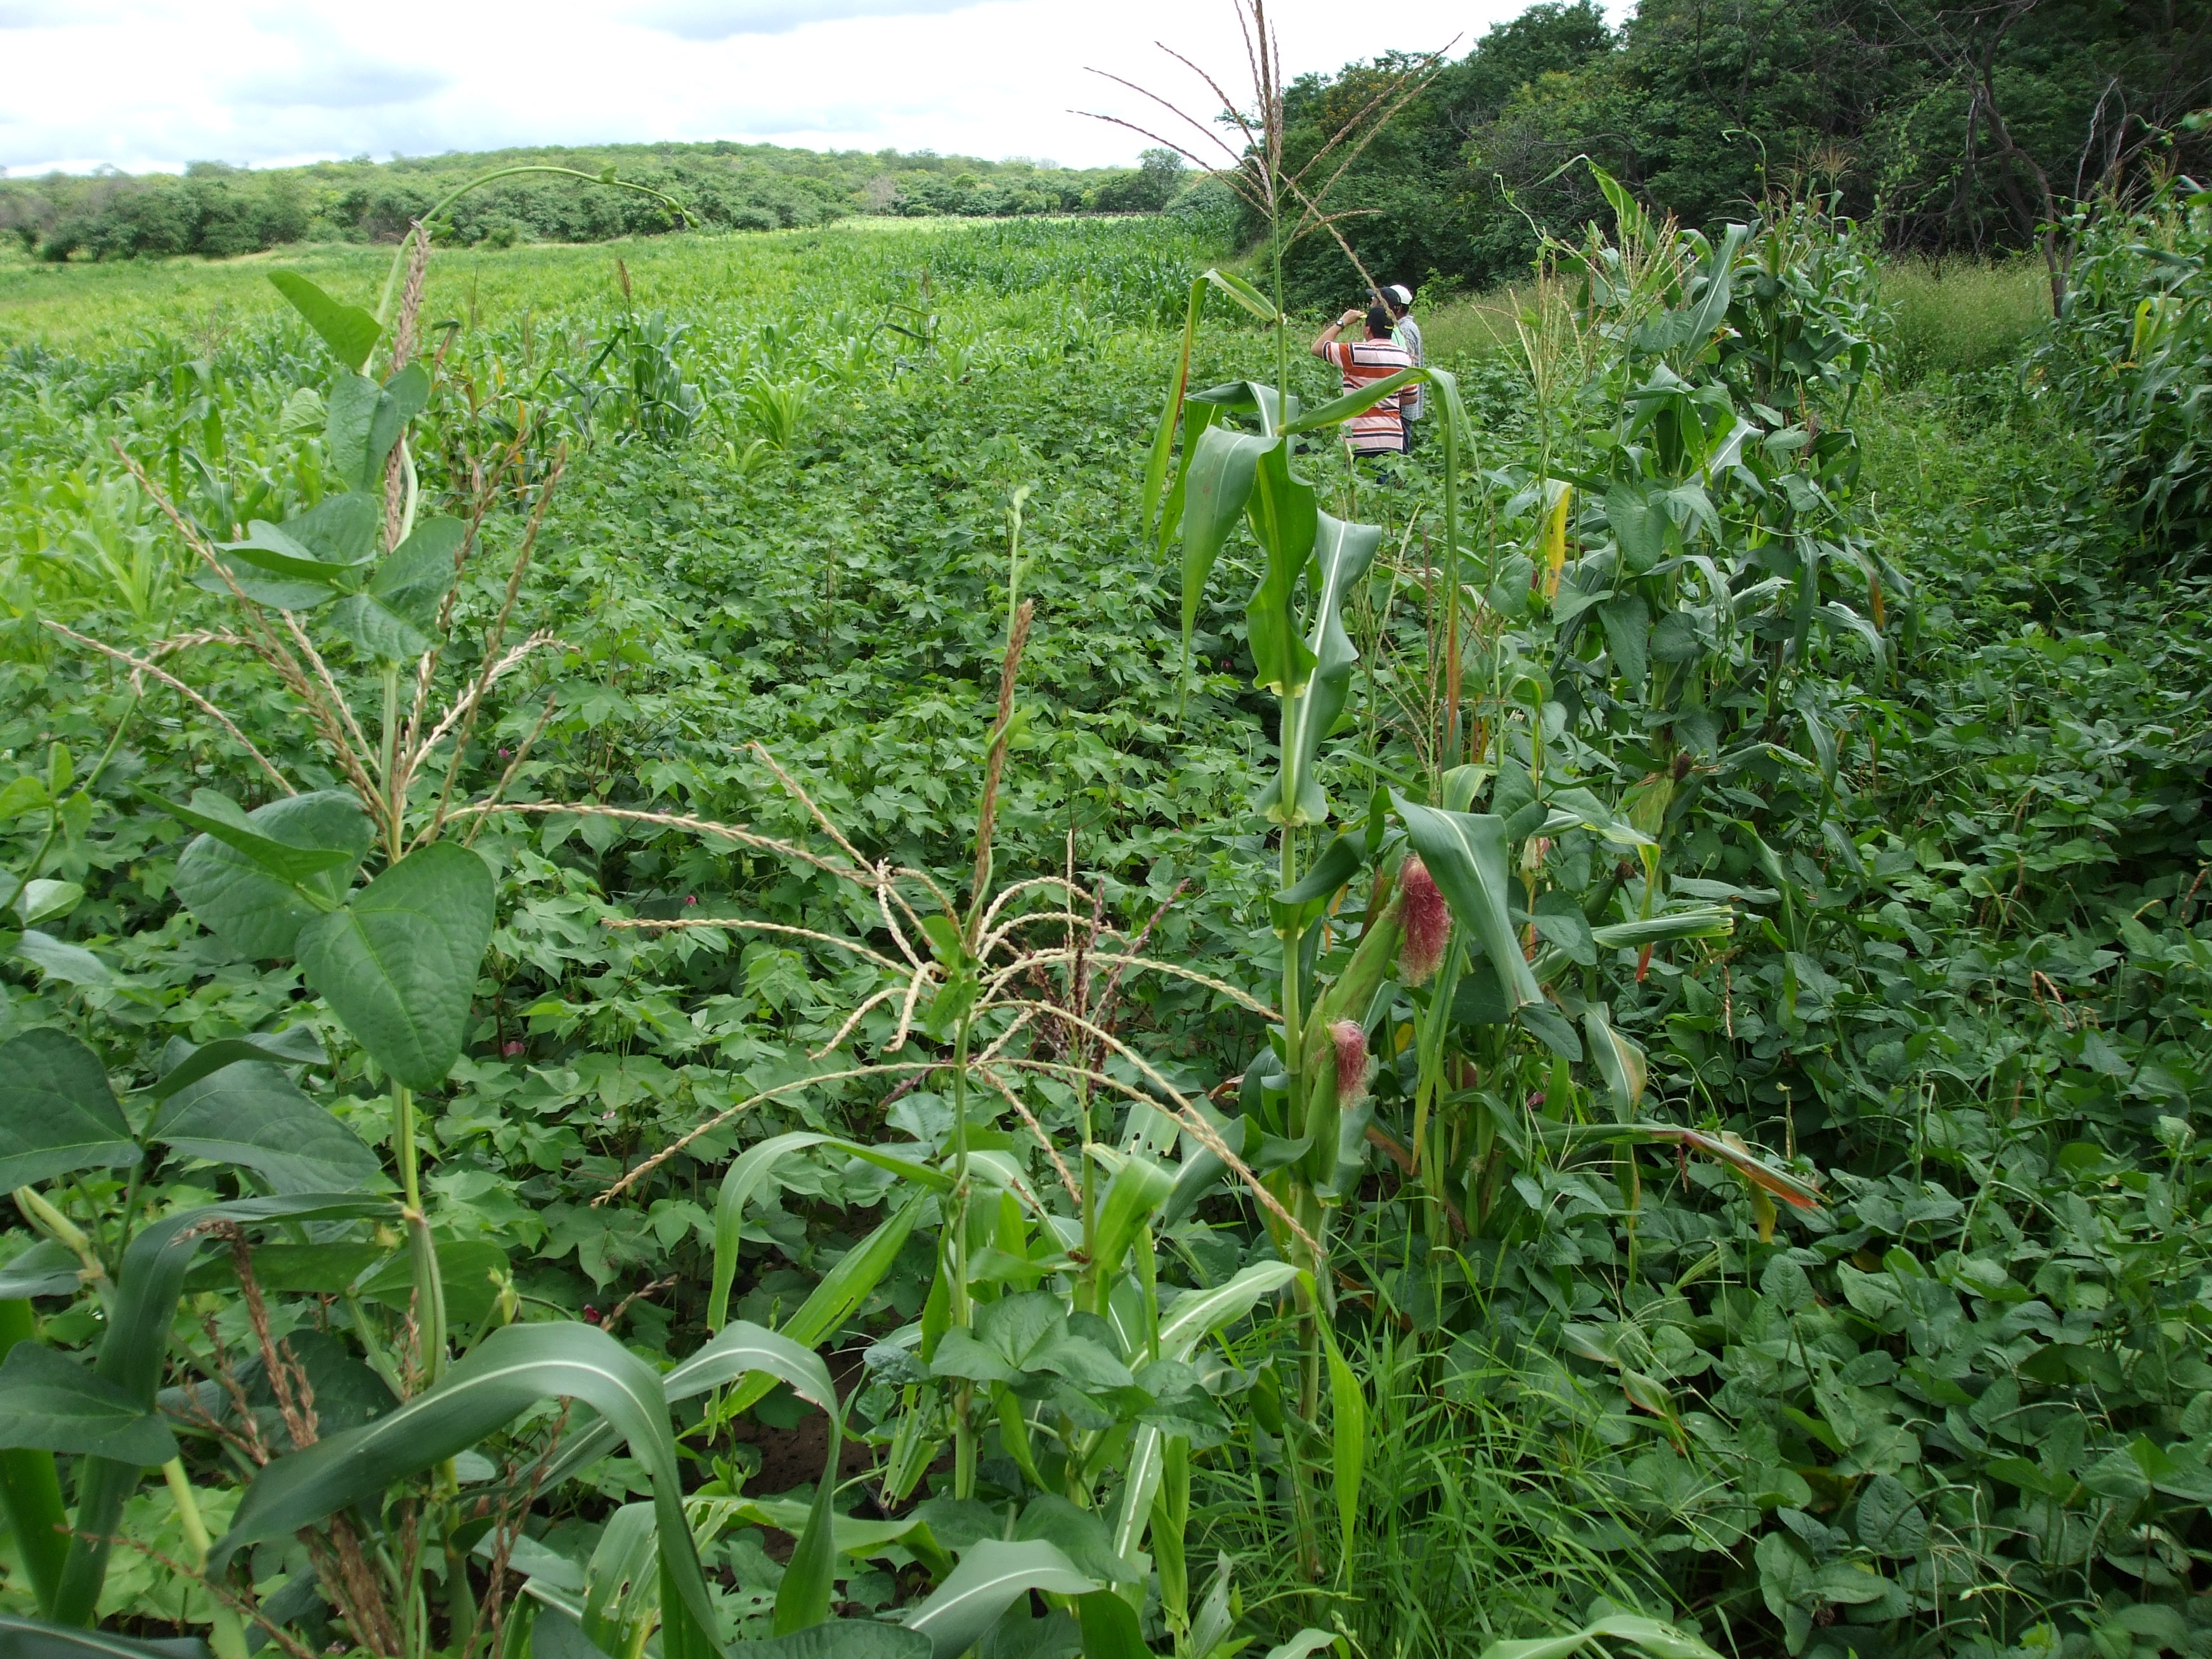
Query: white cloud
[(340, 84), (718, 19), (155, 84)]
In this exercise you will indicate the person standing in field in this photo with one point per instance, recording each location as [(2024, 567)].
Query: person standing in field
[(1380, 430), (1407, 333)]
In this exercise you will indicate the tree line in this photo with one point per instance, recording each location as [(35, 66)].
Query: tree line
[(217, 211), (1956, 130)]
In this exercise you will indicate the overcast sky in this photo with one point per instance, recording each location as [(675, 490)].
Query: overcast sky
[(142, 84)]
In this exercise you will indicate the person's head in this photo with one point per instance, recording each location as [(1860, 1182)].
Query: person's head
[(1399, 298), (1379, 322)]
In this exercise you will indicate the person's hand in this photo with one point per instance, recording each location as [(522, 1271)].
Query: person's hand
[(1348, 320)]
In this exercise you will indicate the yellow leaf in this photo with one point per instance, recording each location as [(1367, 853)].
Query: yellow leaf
[(1555, 541)]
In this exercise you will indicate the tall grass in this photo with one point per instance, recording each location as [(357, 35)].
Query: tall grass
[(1954, 316), (1949, 317), (1491, 1508)]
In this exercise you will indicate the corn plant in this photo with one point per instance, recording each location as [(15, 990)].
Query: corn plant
[(1454, 892), (1711, 542)]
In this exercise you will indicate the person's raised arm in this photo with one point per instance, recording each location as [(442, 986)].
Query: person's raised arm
[(1326, 337)]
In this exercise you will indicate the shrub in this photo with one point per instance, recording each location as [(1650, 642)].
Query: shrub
[(2132, 359)]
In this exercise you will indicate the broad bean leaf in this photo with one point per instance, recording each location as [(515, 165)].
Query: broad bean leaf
[(289, 850), (49, 1267), (1024, 1333), (296, 1045), (394, 618), (72, 965), (1081, 1535), (259, 914), (366, 420), (251, 1114), (398, 963), (350, 333), (306, 561), (58, 1115)]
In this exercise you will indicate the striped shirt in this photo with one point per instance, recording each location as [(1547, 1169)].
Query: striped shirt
[(1381, 429)]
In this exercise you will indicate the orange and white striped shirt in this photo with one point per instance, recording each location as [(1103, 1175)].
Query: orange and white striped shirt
[(1381, 429)]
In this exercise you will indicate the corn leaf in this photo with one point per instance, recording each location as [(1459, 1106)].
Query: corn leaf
[(1646, 1635), (752, 1169), (507, 1372), (1156, 465), (1466, 851), (1285, 517), (1339, 410), (1217, 484), (991, 1574), (136, 1345)]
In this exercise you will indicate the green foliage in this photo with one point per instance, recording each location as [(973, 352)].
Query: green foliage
[(2133, 356), (1706, 109), (1818, 1243)]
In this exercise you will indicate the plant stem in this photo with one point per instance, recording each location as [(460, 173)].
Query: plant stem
[(423, 1248), (228, 1636), (43, 1216), (1453, 740), (395, 809), (403, 1120), (962, 1311), (30, 1490)]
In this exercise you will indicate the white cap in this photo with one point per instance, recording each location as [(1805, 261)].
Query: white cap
[(1398, 294)]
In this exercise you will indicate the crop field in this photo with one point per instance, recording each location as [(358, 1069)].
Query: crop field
[(828, 943)]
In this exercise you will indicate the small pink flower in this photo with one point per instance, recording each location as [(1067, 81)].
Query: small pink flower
[(505, 754), (1354, 1064), (591, 1315), (1426, 921), (511, 1048), (691, 898)]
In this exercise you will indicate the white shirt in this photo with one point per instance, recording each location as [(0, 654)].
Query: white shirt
[(1408, 335)]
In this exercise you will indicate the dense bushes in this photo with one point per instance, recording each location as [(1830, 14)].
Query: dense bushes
[(213, 209), (2132, 357), (1701, 105)]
